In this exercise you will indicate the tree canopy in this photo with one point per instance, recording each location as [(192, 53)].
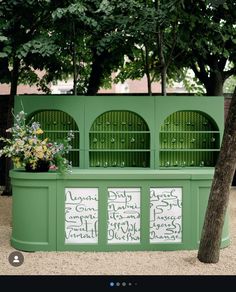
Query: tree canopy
[(25, 43), (90, 39), (207, 35)]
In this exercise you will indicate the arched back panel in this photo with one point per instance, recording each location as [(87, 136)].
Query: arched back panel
[(189, 138), (119, 139), (56, 124)]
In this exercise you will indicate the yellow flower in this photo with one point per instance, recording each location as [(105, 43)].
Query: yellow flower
[(33, 163), (31, 141), (38, 131), (22, 133), (16, 161), (27, 154), (39, 152)]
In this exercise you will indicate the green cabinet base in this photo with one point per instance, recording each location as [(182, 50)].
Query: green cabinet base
[(111, 210)]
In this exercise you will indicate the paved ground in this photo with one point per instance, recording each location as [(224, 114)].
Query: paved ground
[(114, 263)]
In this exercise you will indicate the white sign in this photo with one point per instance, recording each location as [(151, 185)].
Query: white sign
[(123, 215), (165, 215), (81, 215)]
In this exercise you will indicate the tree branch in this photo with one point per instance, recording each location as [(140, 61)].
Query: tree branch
[(222, 63), (200, 74), (228, 73), (172, 49)]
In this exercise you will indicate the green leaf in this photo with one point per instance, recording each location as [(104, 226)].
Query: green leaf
[(3, 55), (3, 38)]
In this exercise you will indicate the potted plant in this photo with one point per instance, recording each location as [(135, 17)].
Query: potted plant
[(27, 149)]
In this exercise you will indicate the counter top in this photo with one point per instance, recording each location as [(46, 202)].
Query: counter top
[(124, 174)]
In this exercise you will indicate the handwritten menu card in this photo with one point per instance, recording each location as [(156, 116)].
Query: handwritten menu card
[(81, 215), (123, 215), (165, 215)]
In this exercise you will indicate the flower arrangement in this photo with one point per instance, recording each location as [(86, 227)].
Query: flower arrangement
[(27, 149)]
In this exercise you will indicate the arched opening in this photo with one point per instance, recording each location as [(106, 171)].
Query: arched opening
[(119, 139), (56, 124), (189, 138)]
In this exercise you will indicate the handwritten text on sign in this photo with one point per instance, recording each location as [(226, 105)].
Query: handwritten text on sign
[(123, 215), (165, 215), (81, 215)]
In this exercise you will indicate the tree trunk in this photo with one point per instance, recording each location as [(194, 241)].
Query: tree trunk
[(214, 84), (96, 75), (75, 74), (147, 71), (74, 71), (163, 80), (94, 80), (161, 56), (4, 72), (209, 249), (162, 66), (3, 127), (10, 120), (162, 62)]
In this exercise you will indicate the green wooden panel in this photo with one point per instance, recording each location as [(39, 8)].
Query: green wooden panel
[(34, 215), (200, 191)]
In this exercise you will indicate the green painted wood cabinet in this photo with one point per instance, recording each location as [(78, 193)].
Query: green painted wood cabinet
[(143, 168)]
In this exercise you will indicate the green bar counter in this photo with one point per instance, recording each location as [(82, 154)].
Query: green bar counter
[(142, 173), (110, 210)]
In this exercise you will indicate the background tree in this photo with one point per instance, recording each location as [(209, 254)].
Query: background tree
[(154, 51), (72, 21), (120, 23), (168, 20), (140, 57), (207, 35), (100, 41), (23, 38), (197, 35)]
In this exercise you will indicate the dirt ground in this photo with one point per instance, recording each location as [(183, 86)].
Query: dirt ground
[(114, 263)]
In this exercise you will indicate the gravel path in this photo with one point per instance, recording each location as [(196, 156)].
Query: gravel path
[(114, 263)]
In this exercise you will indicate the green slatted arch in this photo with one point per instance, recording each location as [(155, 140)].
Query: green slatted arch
[(119, 139), (189, 138), (56, 124)]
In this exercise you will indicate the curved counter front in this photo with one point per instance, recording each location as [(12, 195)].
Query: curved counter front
[(110, 209)]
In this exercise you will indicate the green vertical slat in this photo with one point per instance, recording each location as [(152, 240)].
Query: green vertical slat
[(46, 119), (116, 119), (179, 121)]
